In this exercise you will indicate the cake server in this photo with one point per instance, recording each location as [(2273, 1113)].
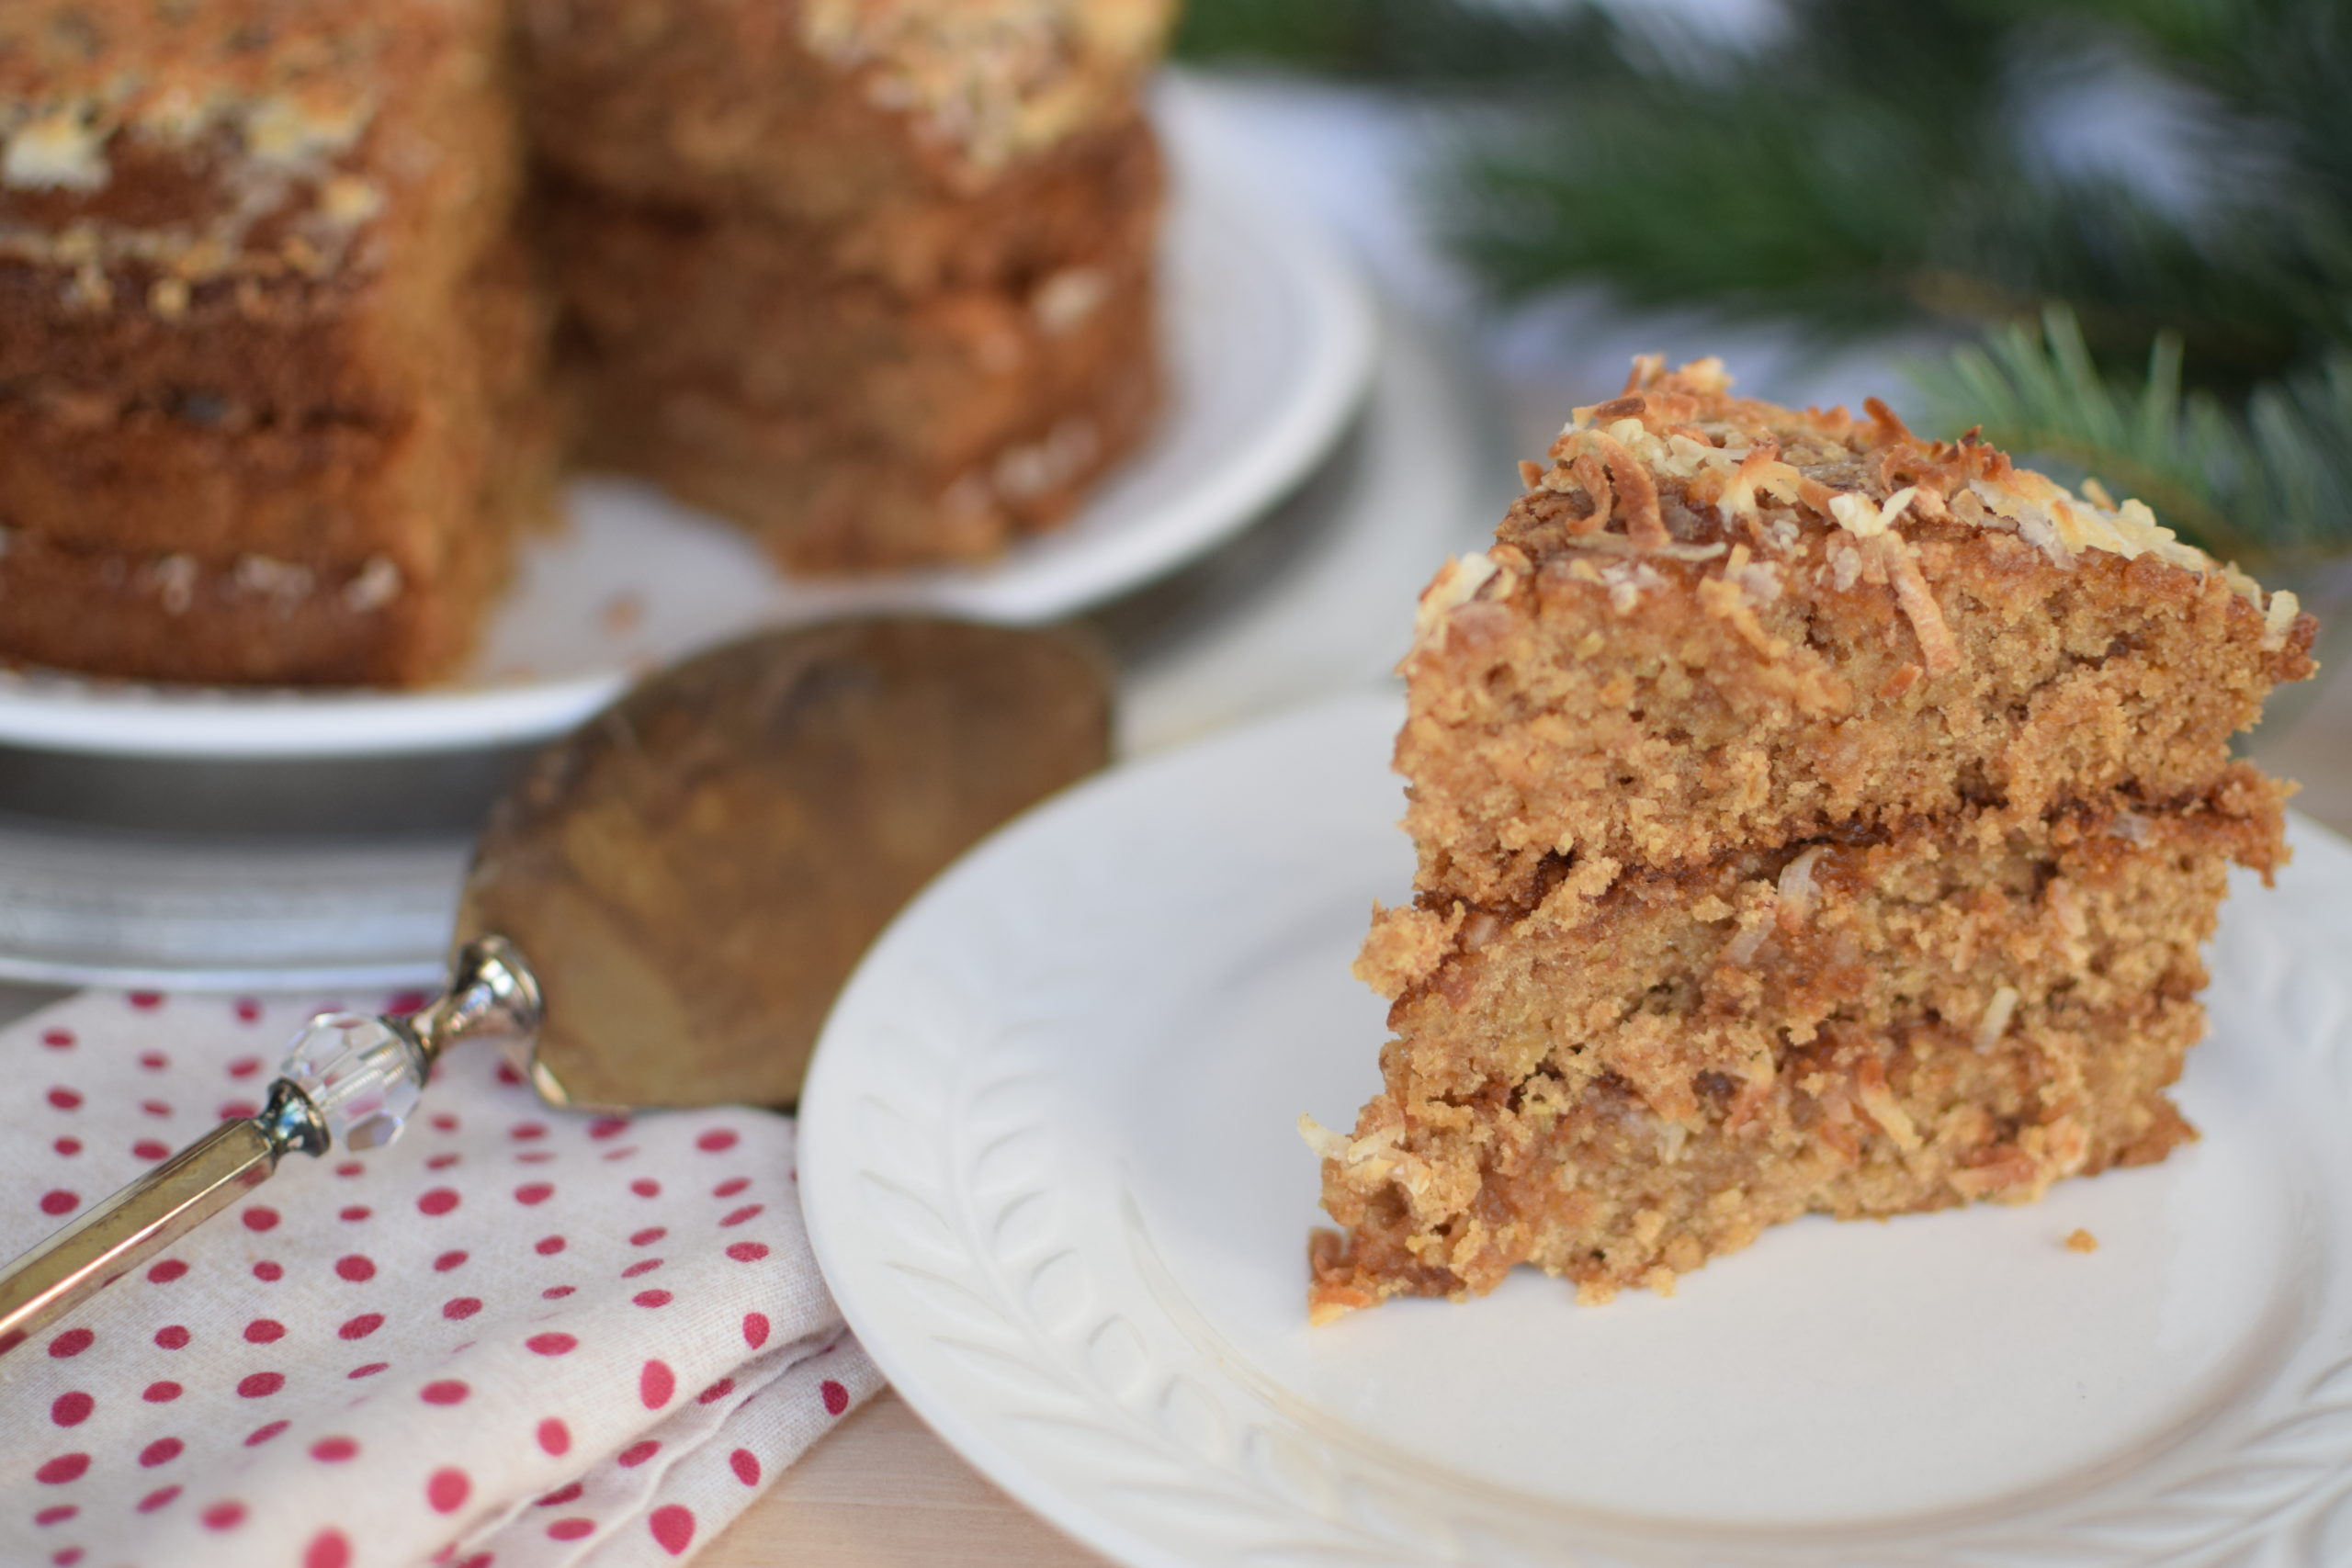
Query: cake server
[(663, 904)]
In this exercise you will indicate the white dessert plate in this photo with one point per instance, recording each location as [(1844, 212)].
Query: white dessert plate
[(1270, 341), (1051, 1173)]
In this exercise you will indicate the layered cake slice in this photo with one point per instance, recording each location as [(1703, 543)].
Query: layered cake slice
[(1810, 818), (874, 280), (271, 355)]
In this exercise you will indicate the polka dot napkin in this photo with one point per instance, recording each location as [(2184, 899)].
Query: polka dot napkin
[(515, 1337)]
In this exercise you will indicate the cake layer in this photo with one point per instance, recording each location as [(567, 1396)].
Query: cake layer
[(832, 112), (1636, 1069), (1714, 624), (744, 309), (826, 498)]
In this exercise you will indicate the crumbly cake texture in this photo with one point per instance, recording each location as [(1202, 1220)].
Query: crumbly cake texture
[(1810, 818), (271, 355), (875, 280)]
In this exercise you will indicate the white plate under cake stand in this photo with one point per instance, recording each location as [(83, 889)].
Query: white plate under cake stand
[(1049, 1158), (1269, 342)]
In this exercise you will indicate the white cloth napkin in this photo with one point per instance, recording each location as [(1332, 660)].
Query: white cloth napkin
[(515, 1337)]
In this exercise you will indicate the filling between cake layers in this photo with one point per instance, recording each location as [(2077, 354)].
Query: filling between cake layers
[(1628, 1074)]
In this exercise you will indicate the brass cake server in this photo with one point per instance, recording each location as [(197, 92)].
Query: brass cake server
[(662, 906)]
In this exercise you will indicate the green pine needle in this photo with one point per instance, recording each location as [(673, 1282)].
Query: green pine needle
[(2270, 486)]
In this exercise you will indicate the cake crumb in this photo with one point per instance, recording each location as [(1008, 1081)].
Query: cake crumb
[(2081, 1240)]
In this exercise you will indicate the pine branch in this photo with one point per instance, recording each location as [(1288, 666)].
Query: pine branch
[(2272, 485)]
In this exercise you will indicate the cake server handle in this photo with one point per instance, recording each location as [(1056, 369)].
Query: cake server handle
[(349, 1078)]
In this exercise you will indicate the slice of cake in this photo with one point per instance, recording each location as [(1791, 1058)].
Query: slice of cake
[(875, 281), (271, 354), (1810, 818)]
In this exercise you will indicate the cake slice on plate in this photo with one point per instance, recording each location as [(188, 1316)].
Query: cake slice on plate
[(1809, 817)]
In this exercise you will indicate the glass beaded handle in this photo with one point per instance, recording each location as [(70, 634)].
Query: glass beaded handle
[(349, 1080)]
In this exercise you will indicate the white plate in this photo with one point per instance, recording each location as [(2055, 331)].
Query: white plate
[(1269, 342), (1051, 1174)]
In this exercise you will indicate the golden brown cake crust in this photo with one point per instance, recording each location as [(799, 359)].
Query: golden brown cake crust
[(1810, 818)]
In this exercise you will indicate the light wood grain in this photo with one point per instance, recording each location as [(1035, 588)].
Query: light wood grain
[(882, 1492)]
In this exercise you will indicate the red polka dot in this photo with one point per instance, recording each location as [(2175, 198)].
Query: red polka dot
[(561, 1495), (261, 1435), (447, 1489), (56, 1516), (716, 1140), (448, 1391), (267, 1272), (443, 1122), (150, 1149), (646, 1186), (732, 1185), (458, 1307), (756, 1329), (328, 1549), (635, 1454), (555, 1436), (656, 1384), (715, 1392), (145, 1002), (334, 1450), (244, 1066), (622, 1153), (673, 1525), (72, 1409), (439, 1200), (260, 1385), (400, 1004), (354, 1213), (571, 1529), (449, 1260), (172, 1336), (62, 1040), (525, 1132), (158, 1498), (223, 1515), (555, 1293), (162, 1451), (368, 1370), (57, 1201), (548, 1246), (746, 1465), (648, 1235), (62, 1469), (265, 1331), (160, 1392), (69, 1147), (552, 1344), (351, 1168), (169, 1270), (749, 1210), (748, 1251), (155, 1108), (608, 1127), (153, 1061), (509, 1076), (72, 1342), (359, 1328), (836, 1397), (532, 1192), (653, 1298), (248, 1010), (237, 1111), (443, 1160), (260, 1217), (644, 1266), (65, 1098), (356, 1267)]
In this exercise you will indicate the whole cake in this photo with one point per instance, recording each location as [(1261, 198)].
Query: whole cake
[(872, 277), (270, 349), (1810, 818)]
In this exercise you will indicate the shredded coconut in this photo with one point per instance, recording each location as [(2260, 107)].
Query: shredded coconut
[(1796, 889), (1996, 1022)]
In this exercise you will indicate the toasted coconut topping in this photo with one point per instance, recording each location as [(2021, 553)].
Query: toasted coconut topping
[(1457, 582), (1796, 889), (1996, 1022)]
